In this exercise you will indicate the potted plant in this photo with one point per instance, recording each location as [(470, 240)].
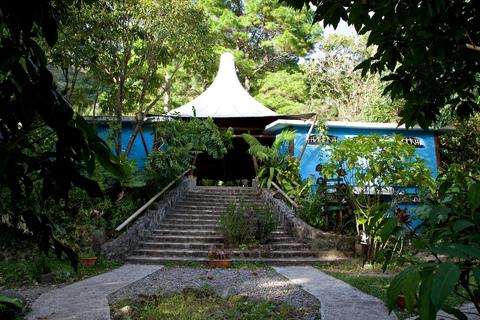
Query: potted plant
[(87, 257), (218, 258)]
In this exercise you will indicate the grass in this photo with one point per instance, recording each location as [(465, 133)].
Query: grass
[(199, 304), (26, 273)]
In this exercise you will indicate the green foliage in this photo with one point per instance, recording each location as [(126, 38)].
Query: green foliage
[(403, 33), (337, 92), (277, 167), (176, 143), (266, 38), (130, 51), (375, 165), (460, 147), (246, 226), (11, 308), (34, 111), (450, 224), (322, 210), (283, 91), (27, 272)]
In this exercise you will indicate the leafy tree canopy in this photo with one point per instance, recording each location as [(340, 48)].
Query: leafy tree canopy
[(33, 111), (337, 91), (264, 36), (427, 51)]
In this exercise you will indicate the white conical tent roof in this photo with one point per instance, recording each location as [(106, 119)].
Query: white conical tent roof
[(225, 98)]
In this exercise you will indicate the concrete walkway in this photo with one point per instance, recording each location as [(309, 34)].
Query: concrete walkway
[(338, 300), (87, 299)]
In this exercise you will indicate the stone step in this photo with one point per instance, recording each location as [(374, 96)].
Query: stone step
[(221, 199), (204, 246), (228, 190), (199, 222), (183, 238), (191, 226), (204, 206), (271, 253), (188, 232), (176, 215), (210, 195), (270, 261), (223, 204), (233, 254), (216, 211), (199, 245)]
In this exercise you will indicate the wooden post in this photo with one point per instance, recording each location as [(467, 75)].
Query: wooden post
[(308, 137), (143, 141), (291, 146)]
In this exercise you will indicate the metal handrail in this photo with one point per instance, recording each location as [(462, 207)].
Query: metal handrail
[(285, 195), (146, 205)]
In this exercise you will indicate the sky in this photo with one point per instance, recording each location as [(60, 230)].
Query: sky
[(343, 28)]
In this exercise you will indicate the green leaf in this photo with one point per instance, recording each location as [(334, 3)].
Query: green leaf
[(462, 224), (405, 283), (425, 306), (476, 274), (444, 280), (14, 302), (474, 195), (389, 225), (457, 250)]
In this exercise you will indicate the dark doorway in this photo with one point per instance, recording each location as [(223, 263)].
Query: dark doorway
[(236, 165)]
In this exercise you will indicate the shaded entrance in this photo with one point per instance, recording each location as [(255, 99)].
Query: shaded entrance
[(236, 165)]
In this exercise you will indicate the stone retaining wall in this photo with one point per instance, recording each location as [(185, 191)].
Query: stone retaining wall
[(296, 227), (120, 247)]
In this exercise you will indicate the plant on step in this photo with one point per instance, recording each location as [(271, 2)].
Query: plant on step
[(451, 237), (247, 225), (374, 166), (217, 254), (275, 166)]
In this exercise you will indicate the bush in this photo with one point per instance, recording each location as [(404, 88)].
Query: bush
[(246, 226)]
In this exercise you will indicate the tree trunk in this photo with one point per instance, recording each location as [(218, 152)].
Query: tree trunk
[(119, 113), (120, 97), (139, 118), (74, 82), (166, 97)]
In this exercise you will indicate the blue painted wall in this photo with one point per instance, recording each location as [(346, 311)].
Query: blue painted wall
[(314, 154), (138, 151)]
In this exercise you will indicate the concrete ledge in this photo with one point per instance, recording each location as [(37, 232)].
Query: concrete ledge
[(296, 227), (126, 243)]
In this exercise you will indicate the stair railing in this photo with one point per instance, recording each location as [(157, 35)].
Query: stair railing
[(149, 202), (279, 190)]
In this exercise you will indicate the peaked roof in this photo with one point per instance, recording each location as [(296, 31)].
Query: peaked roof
[(225, 98)]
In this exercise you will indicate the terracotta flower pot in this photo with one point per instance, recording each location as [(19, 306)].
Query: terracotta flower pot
[(88, 262), (220, 263)]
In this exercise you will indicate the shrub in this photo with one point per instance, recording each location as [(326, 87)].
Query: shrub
[(234, 225), (451, 228), (246, 226)]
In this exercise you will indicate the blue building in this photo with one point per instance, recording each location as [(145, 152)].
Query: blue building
[(425, 141), (139, 150)]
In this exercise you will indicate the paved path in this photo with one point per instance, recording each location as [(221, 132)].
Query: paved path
[(87, 299), (338, 300)]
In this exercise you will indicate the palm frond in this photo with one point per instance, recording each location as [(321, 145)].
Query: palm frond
[(286, 135), (256, 148)]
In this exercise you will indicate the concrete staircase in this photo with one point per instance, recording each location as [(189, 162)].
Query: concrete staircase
[(192, 228)]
